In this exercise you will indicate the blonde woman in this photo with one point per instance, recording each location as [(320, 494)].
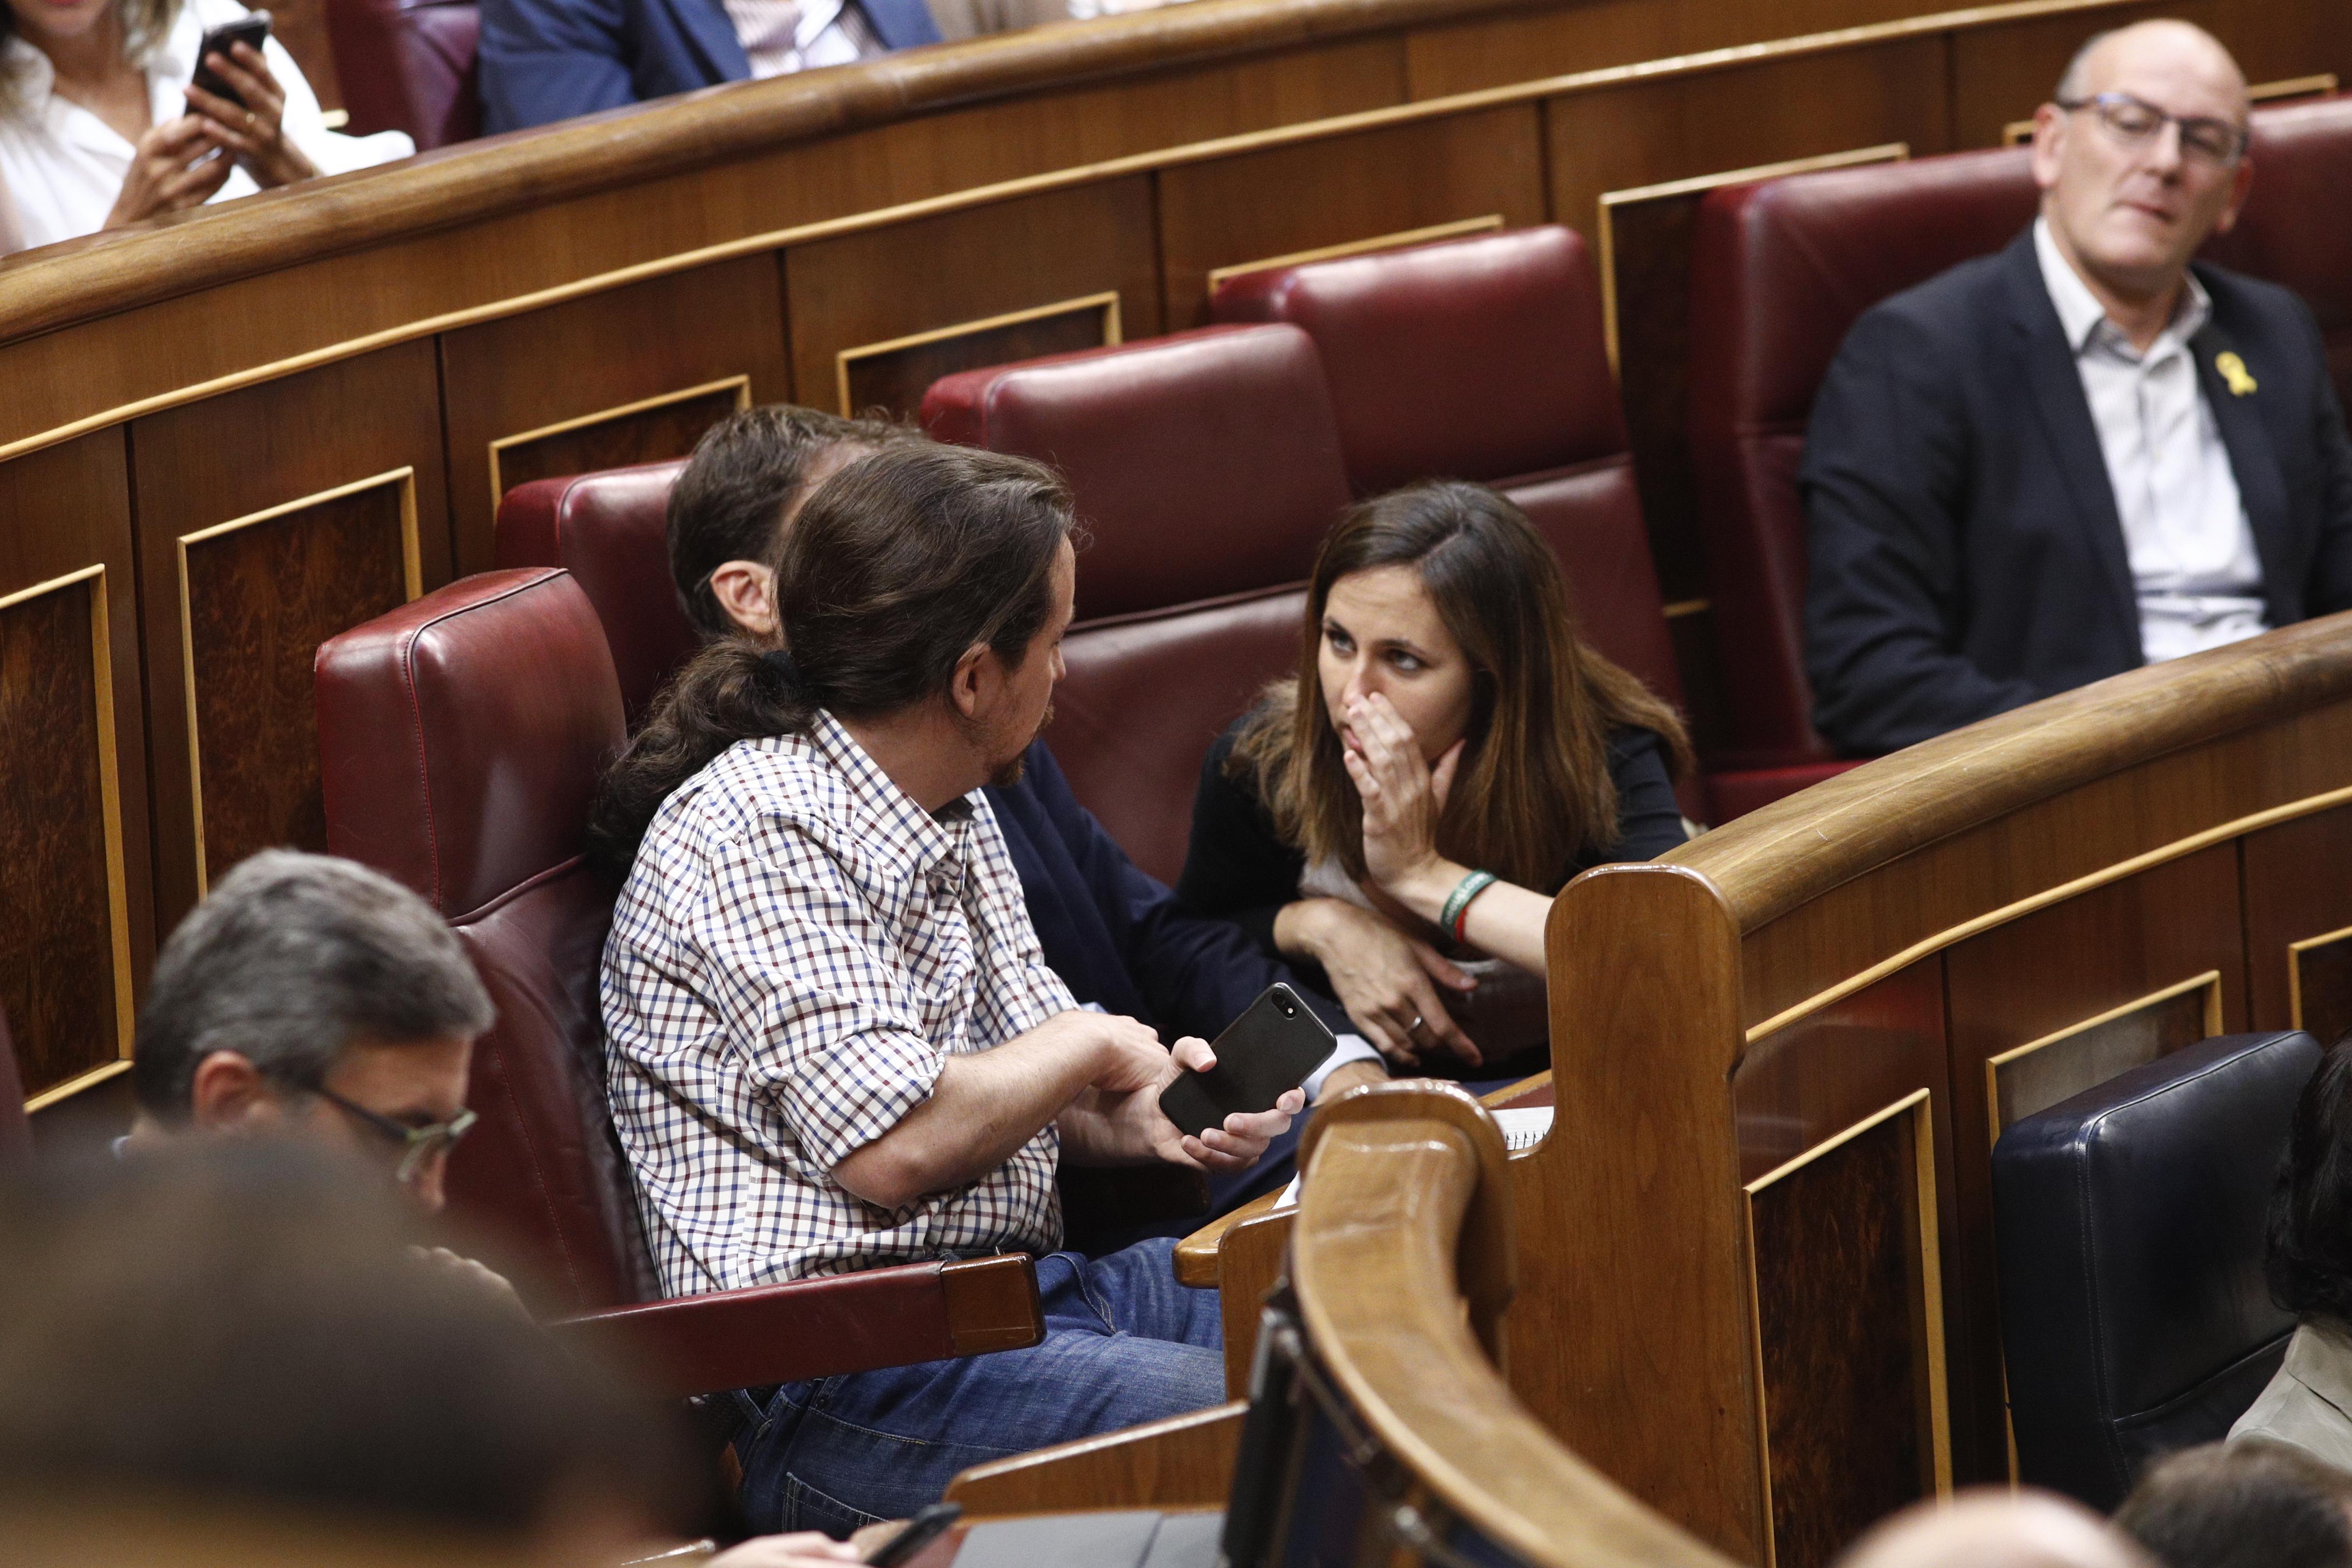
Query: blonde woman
[(101, 125)]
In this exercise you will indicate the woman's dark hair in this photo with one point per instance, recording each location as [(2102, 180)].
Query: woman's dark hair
[(1533, 788), (736, 488), (2310, 1260), (897, 567)]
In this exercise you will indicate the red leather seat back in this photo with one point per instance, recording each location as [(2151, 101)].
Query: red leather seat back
[(460, 738), (1146, 695), (15, 1131), (2297, 226), (1483, 359), (1205, 464), (408, 65), (1779, 271), (610, 530)]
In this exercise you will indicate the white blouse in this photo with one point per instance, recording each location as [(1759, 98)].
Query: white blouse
[(63, 166)]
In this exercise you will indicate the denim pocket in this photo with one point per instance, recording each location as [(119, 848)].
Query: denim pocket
[(806, 1508)]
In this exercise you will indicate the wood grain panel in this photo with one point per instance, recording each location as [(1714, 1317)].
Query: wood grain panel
[(1653, 131), (2030, 1078), (301, 26), (965, 269), (892, 377), (2036, 976), (259, 597), (302, 441), (1849, 1353), (62, 934), (2287, 904), (1995, 82), (1513, 46), (617, 361), (1182, 1461), (1287, 199), (77, 925)]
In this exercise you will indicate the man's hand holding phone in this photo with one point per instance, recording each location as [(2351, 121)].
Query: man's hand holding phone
[(1236, 1145)]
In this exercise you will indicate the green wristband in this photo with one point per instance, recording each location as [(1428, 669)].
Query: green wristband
[(1457, 903)]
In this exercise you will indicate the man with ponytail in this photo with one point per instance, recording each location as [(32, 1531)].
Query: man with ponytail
[(832, 1040)]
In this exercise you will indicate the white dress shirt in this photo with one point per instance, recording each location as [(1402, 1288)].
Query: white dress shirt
[(783, 35), (2193, 562), (63, 166)]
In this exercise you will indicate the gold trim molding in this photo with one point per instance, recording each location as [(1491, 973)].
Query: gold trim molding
[(412, 575), (109, 798), (2295, 952), (1920, 1103), (1884, 152), (1106, 302), (1490, 223), (1967, 19), (741, 386), (80, 1083), (2210, 981)]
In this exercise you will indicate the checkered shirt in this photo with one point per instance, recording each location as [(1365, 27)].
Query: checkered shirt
[(798, 948)]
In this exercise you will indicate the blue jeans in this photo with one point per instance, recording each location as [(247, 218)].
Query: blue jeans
[(1124, 1343)]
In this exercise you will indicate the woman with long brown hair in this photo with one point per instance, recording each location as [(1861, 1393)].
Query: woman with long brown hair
[(1447, 757)]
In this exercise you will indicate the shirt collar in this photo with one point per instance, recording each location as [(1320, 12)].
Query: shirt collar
[(2319, 1357), (30, 75), (930, 839), (2080, 314)]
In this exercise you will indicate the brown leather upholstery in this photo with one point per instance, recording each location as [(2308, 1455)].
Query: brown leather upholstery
[(1205, 464), (610, 530), (1779, 272), (459, 738), (408, 65), (16, 1132)]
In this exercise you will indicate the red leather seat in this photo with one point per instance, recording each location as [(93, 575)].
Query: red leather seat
[(610, 530), (408, 65), (460, 737), (2297, 226), (1483, 359), (1779, 272), (15, 1131), (1207, 467)]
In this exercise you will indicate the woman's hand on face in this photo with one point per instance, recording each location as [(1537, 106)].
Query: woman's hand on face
[(255, 134), (1389, 982), (166, 174), (1403, 794)]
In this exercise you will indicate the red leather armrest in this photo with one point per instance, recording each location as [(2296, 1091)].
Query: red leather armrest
[(815, 1328)]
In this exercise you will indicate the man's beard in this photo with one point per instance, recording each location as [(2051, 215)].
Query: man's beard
[(1009, 773)]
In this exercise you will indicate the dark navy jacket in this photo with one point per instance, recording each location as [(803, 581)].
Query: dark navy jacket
[(1114, 933), (1965, 552), (544, 60)]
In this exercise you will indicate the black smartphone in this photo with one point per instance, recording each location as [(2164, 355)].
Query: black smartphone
[(252, 29), (1262, 1054), (920, 1532)]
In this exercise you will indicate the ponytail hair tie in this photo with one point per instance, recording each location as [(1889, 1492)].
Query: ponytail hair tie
[(780, 668)]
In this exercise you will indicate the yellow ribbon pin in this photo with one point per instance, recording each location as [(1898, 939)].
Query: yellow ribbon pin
[(2233, 371)]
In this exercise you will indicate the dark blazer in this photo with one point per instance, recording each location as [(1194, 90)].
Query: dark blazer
[(544, 60), (1966, 556), (1115, 935), (1237, 866)]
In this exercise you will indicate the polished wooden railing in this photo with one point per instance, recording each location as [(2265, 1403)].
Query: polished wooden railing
[(1381, 1426)]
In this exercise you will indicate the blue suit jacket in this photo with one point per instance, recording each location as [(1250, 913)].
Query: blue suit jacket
[(544, 60), (1114, 933)]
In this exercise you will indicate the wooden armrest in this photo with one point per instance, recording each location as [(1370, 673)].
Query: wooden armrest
[(816, 1328), (1180, 1461)]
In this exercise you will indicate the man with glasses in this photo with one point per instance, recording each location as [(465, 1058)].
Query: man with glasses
[(312, 997), (2083, 454)]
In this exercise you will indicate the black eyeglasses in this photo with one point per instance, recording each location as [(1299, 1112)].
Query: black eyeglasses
[(2133, 121), (419, 1146)]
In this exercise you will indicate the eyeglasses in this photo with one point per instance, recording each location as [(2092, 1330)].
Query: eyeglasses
[(2133, 120), (419, 1146)]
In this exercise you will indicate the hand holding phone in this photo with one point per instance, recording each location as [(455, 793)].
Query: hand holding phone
[(252, 29), (1263, 1054)]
